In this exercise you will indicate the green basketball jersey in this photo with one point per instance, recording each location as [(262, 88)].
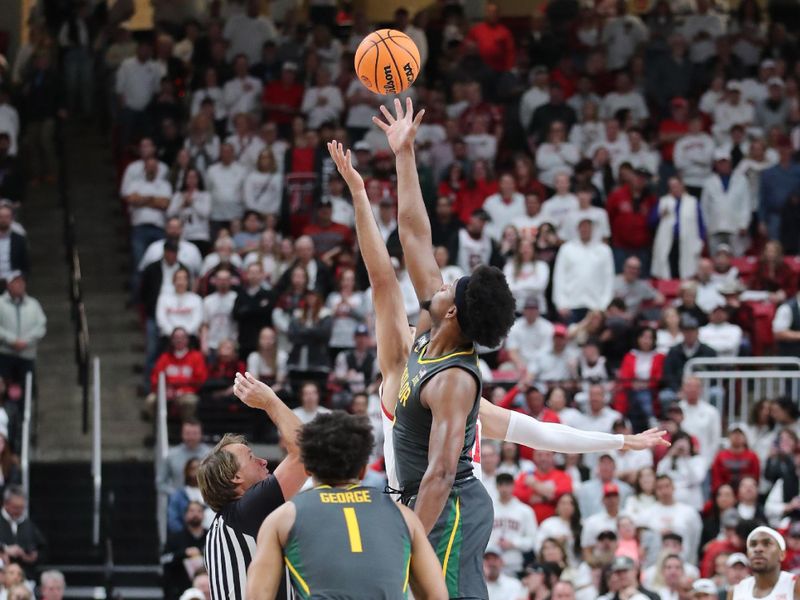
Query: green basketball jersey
[(348, 543), (412, 421)]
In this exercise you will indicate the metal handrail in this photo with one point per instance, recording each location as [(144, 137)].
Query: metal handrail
[(97, 462), (25, 457), (743, 361), (161, 451)]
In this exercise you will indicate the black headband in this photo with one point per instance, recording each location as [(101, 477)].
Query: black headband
[(461, 302)]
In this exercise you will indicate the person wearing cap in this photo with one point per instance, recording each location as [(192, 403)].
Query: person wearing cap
[(732, 110), (357, 367), (514, 525), (721, 335), (680, 354), (737, 461), (555, 363), (737, 567), (583, 276), (623, 582), (725, 203), (590, 495), (530, 334), (766, 549), (704, 589), (22, 326), (774, 110), (605, 520), (499, 585), (778, 184), (473, 245)]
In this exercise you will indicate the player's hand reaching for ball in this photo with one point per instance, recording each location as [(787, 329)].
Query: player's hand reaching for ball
[(344, 165), (400, 129), (646, 440), (253, 392)]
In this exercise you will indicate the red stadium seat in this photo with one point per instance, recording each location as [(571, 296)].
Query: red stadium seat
[(746, 266), (669, 288)]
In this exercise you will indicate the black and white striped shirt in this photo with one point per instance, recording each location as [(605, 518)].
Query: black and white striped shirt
[(231, 541)]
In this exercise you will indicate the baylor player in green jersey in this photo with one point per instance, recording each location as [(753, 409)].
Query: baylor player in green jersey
[(341, 539), (439, 398)]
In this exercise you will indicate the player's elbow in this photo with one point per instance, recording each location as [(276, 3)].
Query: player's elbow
[(441, 474)]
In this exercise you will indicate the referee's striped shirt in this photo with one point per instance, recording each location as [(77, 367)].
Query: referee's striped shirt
[(231, 541)]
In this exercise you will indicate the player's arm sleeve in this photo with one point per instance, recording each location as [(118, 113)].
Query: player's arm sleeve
[(524, 429)]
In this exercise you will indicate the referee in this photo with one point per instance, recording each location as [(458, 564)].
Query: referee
[(238, 486)]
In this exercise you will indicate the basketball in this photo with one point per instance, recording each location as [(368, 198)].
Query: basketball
[(387, 61)]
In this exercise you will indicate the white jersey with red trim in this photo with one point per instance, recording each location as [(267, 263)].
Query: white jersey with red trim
[(783, 590), (388, 450)]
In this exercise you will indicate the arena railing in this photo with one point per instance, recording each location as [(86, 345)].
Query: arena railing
[(161, 451), (25, 453), (734, 384), (97, 462)]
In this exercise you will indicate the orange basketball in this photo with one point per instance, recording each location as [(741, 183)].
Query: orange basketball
[(387, 61)]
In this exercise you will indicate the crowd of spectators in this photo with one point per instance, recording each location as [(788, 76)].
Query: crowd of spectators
[(633, 170)]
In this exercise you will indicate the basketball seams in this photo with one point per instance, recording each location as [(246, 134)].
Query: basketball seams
[(364, 55), (396, 68), (404, 49), (377, 55)]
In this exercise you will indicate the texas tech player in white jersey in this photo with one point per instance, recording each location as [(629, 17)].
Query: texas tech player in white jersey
[(766, 549), (783, 590)]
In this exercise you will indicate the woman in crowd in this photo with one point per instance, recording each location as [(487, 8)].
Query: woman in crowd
[(348, 307), (181, 166), (724, 499), (669, 334), (266, 255), (509, 242), (527, 276), (781, 472), (761, 432), (510, 461), (686, 468), (192, 205), (268, 363), (564, 527), (525, 176), (644, 493), (263, 188), (180, 308), (773, 275), (202, 143), (785, 414), (638, 380), (553, 552)]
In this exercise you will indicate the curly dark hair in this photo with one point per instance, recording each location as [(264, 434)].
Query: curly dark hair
[(489, 305), (336, 446)]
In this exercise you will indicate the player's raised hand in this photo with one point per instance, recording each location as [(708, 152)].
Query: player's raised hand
[(401, 128), (344, 164), (646, 440), (253, 392)]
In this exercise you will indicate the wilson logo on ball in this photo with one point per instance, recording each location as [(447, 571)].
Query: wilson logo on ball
[(388, 87)]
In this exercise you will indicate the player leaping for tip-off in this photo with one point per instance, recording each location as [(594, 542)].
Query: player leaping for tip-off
[(435, 437)]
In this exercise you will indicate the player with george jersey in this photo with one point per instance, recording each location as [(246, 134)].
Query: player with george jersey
[(341, 539)]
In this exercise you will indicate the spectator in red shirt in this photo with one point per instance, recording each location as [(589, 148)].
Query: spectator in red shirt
[(542, 488), (494, 41), (628, 208), (734, 463), (734, 533), (478, 108), (185, 371), (676, 126), (327, 234), (282, 98)]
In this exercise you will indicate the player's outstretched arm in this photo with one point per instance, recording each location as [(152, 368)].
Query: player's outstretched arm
[(412, 218), (425, 572), (449, 396), (266, 569), (391, 320), (511, 426), (290, 473)]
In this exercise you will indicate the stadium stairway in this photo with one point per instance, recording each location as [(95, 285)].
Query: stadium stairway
[(62, 506), (114, 334)]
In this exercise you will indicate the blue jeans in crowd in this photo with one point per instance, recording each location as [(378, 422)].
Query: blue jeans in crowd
[(141, 237)]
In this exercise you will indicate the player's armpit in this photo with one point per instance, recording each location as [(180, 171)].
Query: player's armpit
[(425, 571), (450, 396), (494, 420), (266, 569)]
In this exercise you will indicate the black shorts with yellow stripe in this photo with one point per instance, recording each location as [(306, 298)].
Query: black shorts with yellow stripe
[(460, 537)]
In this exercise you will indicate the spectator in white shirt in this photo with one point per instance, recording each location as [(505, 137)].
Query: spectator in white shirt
[(701, 28), (701, 419), (135, 170), (583, 277), (529, 335), (504, 207), (218, 323), (213, 92), (180, 308), (309, 403), (724, 337), (247, 31), (614, 141), (556, 155), (725, 203), (621, 35), (537, 95), (639, 154), (624, 96), (598, 416), (481, 144), (560, 206), (603, 520), (586, 134), (514, 526), (323, 101), (733, 110), (267, 139), (137, 81), (188, 254), (225, 180), (590, 496), (147, 200), (601, 231), (678, 213), (527, 276), (500, 585), (262, 189), (242, 94), (686, 468), (192, 205), (669, 515), (202, 142), (776, 108)]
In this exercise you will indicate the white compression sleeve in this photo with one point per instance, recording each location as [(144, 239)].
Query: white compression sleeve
[(525, 430)]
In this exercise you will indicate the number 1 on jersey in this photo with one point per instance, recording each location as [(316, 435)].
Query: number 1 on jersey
[(353, 531)]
